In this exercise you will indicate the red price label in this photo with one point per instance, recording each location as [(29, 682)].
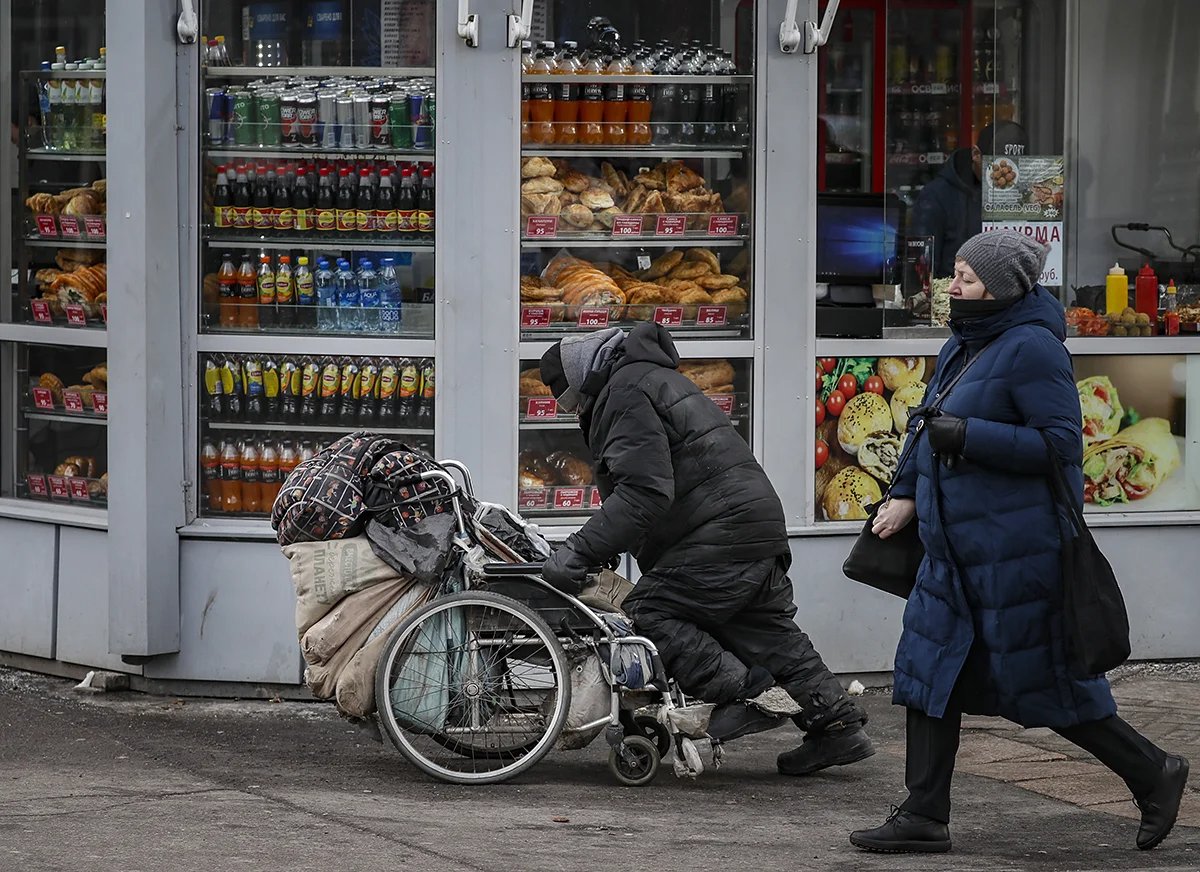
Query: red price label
[(100, 403), (59, 490), (531, 498), (76, 315), (595, 318), (69, 225), (79, 490), (535, 316), (104, 312), (542, 226), (73, 401), (712, 316), (724, 402), (37, 486), (723, 225), (670, 225), (627, 225), (594, 501), (94, 225), (43, 399), (668, 316), (41, 311), (568, 498), (46, 225), (541, 407)]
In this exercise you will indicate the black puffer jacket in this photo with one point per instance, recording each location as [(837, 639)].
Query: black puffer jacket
[(680, 486)]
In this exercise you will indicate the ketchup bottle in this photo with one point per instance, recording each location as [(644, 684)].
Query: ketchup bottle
[(1146, 295)]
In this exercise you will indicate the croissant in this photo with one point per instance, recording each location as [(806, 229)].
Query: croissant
[(44, 204), (97, 376), (85, 202), (54, 384)]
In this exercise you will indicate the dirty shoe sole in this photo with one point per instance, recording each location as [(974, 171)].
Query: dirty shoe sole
[(914, 846)]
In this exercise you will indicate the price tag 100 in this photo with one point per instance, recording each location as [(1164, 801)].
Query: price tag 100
[(535, 316), (541, 407), (41, 311), (79, 490), (76, 315), (593, 318), (542, 226), (43, 399), (94, 225), (37, 486), (59, 490), (723, 225), (531, 498), (100, 403), (568, 498), (627, 225), (712, 316), (69, 225), (668, 316), (670, 225), (73, 401)]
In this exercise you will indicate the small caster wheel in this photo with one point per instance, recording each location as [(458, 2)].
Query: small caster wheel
[(652, 729), (635, 762)]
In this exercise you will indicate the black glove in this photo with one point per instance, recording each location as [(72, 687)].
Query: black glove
[(566, 570), (947, 436)]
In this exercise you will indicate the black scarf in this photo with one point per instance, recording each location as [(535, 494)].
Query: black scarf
[(972, 310)]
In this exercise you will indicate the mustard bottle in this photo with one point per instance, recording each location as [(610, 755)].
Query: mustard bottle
[(1116, 291)]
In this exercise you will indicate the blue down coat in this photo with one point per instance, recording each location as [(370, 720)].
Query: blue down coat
[(988, 614)]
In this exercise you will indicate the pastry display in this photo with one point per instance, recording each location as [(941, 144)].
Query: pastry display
[(710, 376), (81, 279), (91, 200), (532, 384), (557, 469), (93, 381)]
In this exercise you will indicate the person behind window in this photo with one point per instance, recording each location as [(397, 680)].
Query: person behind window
[(949, 208)]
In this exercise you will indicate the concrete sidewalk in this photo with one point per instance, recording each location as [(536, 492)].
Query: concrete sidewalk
[(141, 784)]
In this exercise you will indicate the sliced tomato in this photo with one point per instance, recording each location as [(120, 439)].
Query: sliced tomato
[(1134, 492), (1101, 393), (1090, 428)]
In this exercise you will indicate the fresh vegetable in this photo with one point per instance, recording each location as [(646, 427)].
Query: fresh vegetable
[(820, 413), (848, 385), (822, 453), (828, 364), (835, 403), (873, 385), (820, 383), (860, 368)]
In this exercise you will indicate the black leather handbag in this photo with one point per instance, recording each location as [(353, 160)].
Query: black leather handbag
[(1094, 614)]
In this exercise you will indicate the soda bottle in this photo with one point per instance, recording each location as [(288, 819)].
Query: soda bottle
[(222, 200), (541, 97), (269, 481), (410, 385), (289, 459), (252, 373), (231, 477), (330, 389), (214, 391), (368, 296), (261, 213), (310, 384), (307, 451), (264, 312), (566, 100), (364, 213), (302, 203), (234, 383), (251, 492), (347, 212), (347, 398), (616, 109), (283, 216), (526, 68), (210, 474), (289, 390), (247, 294), (306, 296), (326, 297), (425, 203), (227, 282), (406, 203), (689, 100), (368, 391), (391, 314), (349, 315), (424, 418), (591, 102), (325, 217), (285, 293), (385, 204), (389, 381), (271, 390), (637, 132), (241, 200), (711, 102)]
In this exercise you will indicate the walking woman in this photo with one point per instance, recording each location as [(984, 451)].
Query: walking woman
[(983, 629)]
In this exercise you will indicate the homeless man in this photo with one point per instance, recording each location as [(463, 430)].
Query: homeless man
[(683, 493)]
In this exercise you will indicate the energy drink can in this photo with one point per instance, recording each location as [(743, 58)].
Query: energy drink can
[(269, 115), (345, 122), (362, 120), (420, 120), (242, 127), (306, 119), (217, 115), (381, 131), (289, 130), (400, 120), (327, 119)]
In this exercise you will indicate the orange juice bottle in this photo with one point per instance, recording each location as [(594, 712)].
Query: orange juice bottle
[(591, 102), (637, 132), (526, 68), (251, 492), (616, 107), (566, 100), (231, 477), (541, 97)]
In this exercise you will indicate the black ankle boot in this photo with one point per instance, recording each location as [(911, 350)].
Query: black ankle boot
[(822, 750), (904, 832), (1161, 807)]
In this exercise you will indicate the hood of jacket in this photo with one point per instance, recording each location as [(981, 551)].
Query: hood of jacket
[(647, 343), (1038, 308)]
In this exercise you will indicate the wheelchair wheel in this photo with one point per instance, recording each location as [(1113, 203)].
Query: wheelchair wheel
[(644, 725), (635, 763), (473, 688)]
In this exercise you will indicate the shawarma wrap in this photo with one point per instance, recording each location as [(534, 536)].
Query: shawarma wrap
[(1102, 411), (1131, 464)]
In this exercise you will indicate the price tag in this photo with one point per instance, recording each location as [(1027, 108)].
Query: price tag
[(104, 312), (668, 316), (100, 403), (41, 311), (94, 225), (73, 401), (59, 489), (541, 226), (76, 316), (594, 500), (79, 490), (670, 225), (37, 486), (593, 318), (643, 261), (541, 407), (939, 88), (723, 225), (568, 498), (531, 498), (712, 316), (43, 399), (535, 316), (627, 225), (724, 402), (990, 88), (47, 226), (69, 225)]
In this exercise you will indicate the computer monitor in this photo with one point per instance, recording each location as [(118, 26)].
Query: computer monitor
[(859, 239)]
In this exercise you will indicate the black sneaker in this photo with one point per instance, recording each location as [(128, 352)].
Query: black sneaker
[(736, 719), (1161, 807), (822, 750), (904, 832)]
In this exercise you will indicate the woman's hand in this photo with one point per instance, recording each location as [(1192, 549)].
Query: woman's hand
[(894, 516)]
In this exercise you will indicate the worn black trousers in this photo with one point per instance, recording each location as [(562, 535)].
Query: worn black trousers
[(712, 623), (933, 743)]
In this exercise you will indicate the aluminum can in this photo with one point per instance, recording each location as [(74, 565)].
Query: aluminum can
[(345, 122), (381, 131), (327, 119), (420, 120), (400, 120), (241, 129), (289, 134), (306, 119), (217, 115), (269, 117), (362, 121)]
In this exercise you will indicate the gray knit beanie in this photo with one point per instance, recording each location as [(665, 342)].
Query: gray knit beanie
[(1007, 262), (566, 366)]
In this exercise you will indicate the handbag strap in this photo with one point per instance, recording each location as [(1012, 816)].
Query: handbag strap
[(1060, 491)]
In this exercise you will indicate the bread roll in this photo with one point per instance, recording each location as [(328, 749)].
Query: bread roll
[(849, 495), (898, 372)]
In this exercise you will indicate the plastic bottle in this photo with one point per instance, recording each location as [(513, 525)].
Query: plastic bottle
[(329, 390), (289, 390), (1145, 295), (349, 317), (285, 294), (271, 386), (367, 391), (222, 200), (591, 102), (327, 320), (406, 203), (348, 392), (389, 381), (426, 202), (69, 113), (283, 216), (347, 211), (251, 492), (306, 296), (247, 296), (541, 97), (269, 481), (261, 211), (664, 108), (391, 315), (227, 282), (566, 99), (241, 199), (231, 477), (1171, 311), (325, 212), (424, 416), (637, 131), (252, 373), (368, 295), (97, 114), (385, 204), (289, 459), (616, 109), (50, 102), (264, 313), (689, 98), (711, 108), (210, 475), (302, 203), (526, 68), (1116, 290), (222, 55), (410, 386)]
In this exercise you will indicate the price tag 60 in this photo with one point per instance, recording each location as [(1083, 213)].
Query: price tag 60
[(59, 490), (541, 407), (37, 486), (668, 316), (568, 498), (43, 399), (531, 498), (593, 318), (79, 490), (627, 225), (542, 226)]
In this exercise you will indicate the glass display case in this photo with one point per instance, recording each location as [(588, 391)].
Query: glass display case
[(318, 216)]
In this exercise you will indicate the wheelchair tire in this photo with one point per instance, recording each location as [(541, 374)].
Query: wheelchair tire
[(644, 725), (639, 771), (461, 723)]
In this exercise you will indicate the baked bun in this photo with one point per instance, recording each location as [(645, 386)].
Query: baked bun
[(735, 300), (865, 414), (707, 374), (662, 265), (542, 185), (879, 455), (904, 401), (899, 372), (536, 167), (849, 496), (532, 384), (595, 198)]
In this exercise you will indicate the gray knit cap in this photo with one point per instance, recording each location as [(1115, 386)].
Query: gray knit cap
[(566, 366), (1007, 262)]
